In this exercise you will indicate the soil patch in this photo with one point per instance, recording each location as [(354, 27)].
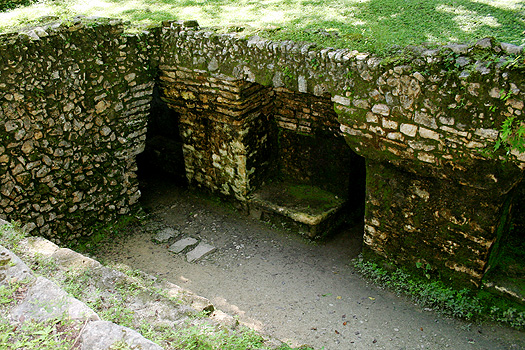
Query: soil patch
[(283, 285)]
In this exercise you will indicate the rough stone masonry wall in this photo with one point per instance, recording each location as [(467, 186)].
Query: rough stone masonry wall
[(312, 149), (426, 120), (74, 107), (225, 128), (74, 100)]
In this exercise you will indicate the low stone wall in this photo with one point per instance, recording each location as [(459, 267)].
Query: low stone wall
[(74, 105)]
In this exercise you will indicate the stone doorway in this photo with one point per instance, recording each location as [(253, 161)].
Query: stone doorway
[(163, 152), (277, 153), (319, 182)]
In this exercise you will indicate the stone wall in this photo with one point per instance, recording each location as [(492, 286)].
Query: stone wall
[(74, 103), (225, 128), (312, 149), (426, 120)]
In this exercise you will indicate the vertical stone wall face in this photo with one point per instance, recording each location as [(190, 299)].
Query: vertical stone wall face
[(412, 219), (73, 109), (439, 130), (312, 149), (75, 99), (225, 126)]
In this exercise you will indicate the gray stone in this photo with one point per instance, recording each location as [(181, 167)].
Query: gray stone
[(458, 48), (108, 278), (12, 269), (165, 235), (101, 335), (462, 61), (38, 245), (69, 260), (484, 43), (200, 252), (511, 49), (46, 300), (182, 244), (482, 67)]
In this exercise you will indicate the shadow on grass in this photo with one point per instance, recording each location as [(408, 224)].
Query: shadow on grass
[(373, 25), (377, 25), (147, 14), (414, 21)]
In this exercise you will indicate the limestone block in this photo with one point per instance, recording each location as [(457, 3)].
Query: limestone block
[(199, 252), (182, 244), (99, 335), (46, 300)]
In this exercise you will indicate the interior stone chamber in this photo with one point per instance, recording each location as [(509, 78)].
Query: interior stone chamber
[(284, 129)]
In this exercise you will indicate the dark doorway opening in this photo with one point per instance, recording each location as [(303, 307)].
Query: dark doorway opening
[(162, 156)]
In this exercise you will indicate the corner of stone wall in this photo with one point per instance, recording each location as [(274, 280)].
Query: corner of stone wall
[(74, 118)]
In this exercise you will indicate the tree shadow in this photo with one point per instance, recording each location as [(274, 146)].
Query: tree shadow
[(373, 24), (416, 21)]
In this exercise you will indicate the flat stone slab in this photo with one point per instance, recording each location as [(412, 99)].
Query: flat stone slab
[(315, 209), (106, 335), (46, 300), (165, 235), (309, 205), (182, 244), (199, 252)]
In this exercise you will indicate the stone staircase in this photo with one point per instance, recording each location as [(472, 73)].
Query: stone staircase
[(95, 306)]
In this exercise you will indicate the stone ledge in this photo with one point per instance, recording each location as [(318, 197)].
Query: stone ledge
[(317, 212)]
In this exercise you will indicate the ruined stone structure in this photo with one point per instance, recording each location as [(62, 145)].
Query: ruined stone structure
[(247, 110), (74, 103)]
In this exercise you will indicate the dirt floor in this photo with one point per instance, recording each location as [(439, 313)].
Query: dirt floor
[(285, 286)]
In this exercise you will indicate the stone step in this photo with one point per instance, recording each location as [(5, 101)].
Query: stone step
[(41, 300), (144, 297)]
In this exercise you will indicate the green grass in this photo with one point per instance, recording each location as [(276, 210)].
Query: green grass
[(10, 235), (56, 334), (365, 25), (433, 293)]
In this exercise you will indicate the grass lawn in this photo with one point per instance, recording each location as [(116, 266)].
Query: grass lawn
[(365, 25)]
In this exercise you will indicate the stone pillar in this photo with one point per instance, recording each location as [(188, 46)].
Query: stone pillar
[(412, 219), (225, 127)]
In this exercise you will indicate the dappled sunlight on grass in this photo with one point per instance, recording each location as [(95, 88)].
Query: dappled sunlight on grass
[(503, 4), (361, 24), (469, 21)]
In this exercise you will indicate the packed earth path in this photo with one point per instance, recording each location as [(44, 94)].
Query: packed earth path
[(282, 285)]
